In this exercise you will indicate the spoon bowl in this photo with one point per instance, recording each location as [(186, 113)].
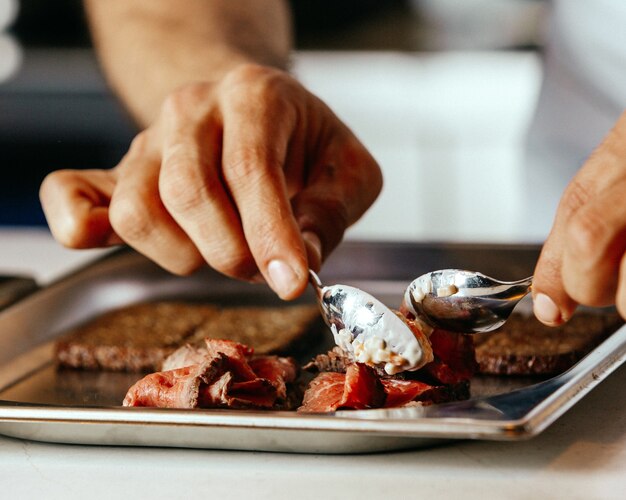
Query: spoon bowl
[(464, 301), (366, 329)]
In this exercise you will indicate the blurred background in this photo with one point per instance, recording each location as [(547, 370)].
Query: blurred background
[(441, 91)]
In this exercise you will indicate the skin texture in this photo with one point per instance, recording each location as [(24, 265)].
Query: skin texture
[(241, 168), (245, 171), (583, 260)]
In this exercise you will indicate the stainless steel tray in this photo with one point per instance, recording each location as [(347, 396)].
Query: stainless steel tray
[(38, 402)]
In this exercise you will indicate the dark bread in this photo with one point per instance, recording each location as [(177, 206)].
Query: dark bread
[(132, 338), (140, 337), (524, 346), (268, 330)]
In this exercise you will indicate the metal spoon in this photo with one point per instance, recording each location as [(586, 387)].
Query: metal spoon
[(464, 301), (366, 329)]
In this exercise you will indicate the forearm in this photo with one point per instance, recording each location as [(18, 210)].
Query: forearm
[(150, 47)]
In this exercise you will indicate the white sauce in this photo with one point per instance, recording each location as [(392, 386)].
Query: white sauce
[(423, 288)]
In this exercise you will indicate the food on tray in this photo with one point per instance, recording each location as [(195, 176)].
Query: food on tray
[(132, 338), (344, 384), (524, 346), (220, 374), (226, 374), (140, 337)]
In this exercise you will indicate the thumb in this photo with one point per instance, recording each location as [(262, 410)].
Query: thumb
[(76, 206), (551, 303)]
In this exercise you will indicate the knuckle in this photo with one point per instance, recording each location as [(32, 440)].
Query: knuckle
[(180, 100), (182, 189), (252, 83), (236, 264), (130, 217), (587, 234), (576, 196), (246, 164)]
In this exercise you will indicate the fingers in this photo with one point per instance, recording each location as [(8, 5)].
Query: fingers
[(76, 206), (582, 259), (595, 244), (338, 192), (140, 218), (191, 188), (255, 145)]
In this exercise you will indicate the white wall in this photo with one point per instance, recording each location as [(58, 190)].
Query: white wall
[(447, 129)]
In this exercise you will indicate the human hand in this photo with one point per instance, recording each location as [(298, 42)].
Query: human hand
[(251, 174), (583, 260)]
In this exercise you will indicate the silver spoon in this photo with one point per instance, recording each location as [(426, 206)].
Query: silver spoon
[(464, 301), (366, 329)]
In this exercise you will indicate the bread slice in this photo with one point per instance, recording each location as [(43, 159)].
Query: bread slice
[(140, 337), (524, 346), (268, 330), (132, 338)]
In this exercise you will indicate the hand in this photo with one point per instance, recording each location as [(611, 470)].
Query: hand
[(584, 258), (251, 174)]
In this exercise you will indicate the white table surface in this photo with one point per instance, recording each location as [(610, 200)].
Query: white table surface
[(582, 455)]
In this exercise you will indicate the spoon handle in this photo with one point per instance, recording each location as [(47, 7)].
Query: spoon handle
[(316, 283)]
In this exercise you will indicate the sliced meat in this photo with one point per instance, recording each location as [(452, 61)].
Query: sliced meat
[(363, 388), (455, 360), (278, 370), (359, 388), (401, 392), (323, 393), (175, 388), (222, 376), (186, 355)]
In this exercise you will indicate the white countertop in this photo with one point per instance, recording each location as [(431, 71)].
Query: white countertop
[(582, 455)]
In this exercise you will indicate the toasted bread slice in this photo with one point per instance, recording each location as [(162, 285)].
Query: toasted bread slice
[(140, 337), (524, 346), (132, 338), (268, 330)]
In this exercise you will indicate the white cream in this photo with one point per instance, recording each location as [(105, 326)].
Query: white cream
[(374, 351), (421, 289), (343, 338)]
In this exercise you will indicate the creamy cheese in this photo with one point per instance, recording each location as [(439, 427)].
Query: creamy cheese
[(374, 351), (422, 288)]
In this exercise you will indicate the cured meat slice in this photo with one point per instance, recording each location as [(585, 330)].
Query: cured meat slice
[(324, 393), (401, 392), (362, 389), (221, 375), (184, 356), (174, 388), (358, 388), (278, 370), (455, 360)]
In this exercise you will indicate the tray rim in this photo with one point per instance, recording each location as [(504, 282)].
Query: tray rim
[(581, 379)]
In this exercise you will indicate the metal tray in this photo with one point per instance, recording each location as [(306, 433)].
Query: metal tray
[(39, 402)]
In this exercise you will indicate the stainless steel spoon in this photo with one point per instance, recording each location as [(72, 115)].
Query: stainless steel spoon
[(464, 301), (366, 329)]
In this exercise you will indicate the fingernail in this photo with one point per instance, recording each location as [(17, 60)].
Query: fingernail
[(283, 278), (314, 248), (546, 310)]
